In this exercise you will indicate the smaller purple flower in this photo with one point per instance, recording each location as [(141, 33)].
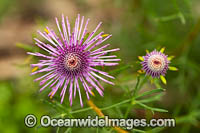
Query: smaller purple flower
[(155, 64)]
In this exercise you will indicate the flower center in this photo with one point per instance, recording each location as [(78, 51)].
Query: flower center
[(156, 63), (72, 61)]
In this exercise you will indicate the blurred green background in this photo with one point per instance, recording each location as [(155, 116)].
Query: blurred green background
[(136, 25)]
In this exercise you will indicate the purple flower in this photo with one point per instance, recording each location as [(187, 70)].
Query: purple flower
[(71, 59), (155, 64)]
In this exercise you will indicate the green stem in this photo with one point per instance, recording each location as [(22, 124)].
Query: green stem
[(68, 130), (104, 108), (57, 131), (117, 104), (80, 110), (136, 86), (127, 111), (136, 89), (138, 130), (97, 131)]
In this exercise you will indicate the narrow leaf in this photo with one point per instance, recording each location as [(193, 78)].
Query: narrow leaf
[(34, 69), (105, 35), (170, 58), (121, 69), (141, 58), (173, 68), (138, 130), (182, 18), (162, 49), (150, 92), (153, 98), (140, 71), (25, 46), (163, 79), (151, 108)]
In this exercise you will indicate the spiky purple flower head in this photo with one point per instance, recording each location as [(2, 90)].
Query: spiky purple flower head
[(155, 63), (71, 59)]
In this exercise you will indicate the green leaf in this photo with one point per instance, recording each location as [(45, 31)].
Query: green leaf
[(68, 130), (80, 110), (151, 108), (178, 15), (56, 105), (191, 117), (150, 92), (136, 86), (121, 69), (153, 98), (173, 68), (58, 129), (25, 46), (139, 84), (157, 82), (138, 130), (163, 79), (162, 50), (140, 58), (182, 18), (170, 58), (168, 18), (86, 36), (156, 130)]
